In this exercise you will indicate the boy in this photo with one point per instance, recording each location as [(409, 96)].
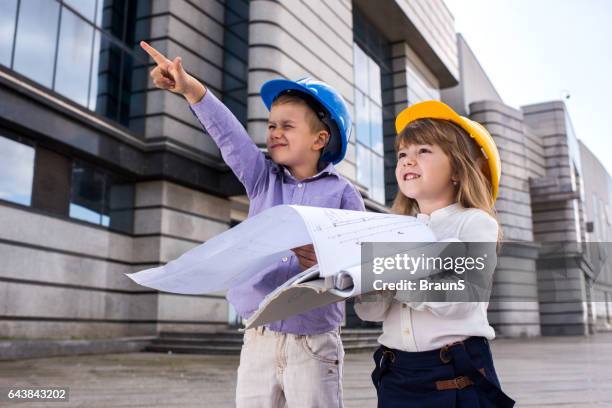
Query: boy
[(297, 361)]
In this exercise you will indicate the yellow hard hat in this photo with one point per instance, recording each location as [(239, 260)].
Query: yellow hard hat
[(439, 110)]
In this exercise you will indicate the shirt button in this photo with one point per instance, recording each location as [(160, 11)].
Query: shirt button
[(300, 185), (285, 259)]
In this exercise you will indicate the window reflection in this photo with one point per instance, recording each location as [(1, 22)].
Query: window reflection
[(8, 12), (360, 65), (364, 173), (235, 57), (101, 198), (376, 128), (74, 58), (86, 8), (95, 68), (369, 124), (378, 179), (87, 194), (362, 117), (36, 40), (16, 171), (374, 81), (83, 49), (108, 77)]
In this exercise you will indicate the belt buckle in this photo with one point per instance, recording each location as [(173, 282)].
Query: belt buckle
[(462, 382), (386, 353), (444, 356)]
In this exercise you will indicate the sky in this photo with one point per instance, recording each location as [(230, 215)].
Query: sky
[(541, 50)]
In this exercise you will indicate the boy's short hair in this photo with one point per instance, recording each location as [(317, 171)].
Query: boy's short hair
[(315, 124)]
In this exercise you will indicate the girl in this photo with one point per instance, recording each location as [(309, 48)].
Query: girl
[(436, 354)]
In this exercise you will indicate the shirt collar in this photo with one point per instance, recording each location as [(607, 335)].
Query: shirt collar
[(328, 170), (440, 213)]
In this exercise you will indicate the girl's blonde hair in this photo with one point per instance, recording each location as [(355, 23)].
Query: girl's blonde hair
[(468, 164)]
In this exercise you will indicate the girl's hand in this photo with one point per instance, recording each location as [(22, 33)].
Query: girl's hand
[(306, 256), (170, 75)]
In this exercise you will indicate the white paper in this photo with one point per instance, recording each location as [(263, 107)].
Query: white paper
[(230, 258), (337, 234)]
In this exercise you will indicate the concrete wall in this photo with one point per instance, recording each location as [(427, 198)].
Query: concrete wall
[(598, 210), (193, 30), (474, 85), (436, 24), (290, 39), (557, 219), (427, 26), (62, 278)]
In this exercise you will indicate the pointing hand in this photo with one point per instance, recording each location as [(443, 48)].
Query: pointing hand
[(170, 75)]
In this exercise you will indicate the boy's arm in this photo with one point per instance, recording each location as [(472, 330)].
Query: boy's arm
[(237, 148), (351, 199)]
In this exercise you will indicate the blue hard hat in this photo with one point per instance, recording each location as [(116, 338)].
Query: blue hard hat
[(336, 115)]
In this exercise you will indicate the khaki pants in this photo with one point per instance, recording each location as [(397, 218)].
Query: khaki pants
[(288, 370)]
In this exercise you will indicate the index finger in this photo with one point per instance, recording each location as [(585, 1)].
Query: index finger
[(156, 55)]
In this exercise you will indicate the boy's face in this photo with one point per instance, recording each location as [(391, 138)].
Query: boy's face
[(424, 172), (291, 141)]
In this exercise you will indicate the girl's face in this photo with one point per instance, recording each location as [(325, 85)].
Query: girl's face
[(424, 173)]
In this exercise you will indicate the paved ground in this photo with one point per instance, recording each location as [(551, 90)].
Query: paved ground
[(544, 372)]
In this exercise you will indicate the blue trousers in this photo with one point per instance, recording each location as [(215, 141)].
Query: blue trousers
[(460, 375)]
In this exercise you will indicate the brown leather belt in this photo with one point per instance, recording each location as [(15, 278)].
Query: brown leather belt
[(457, 383)]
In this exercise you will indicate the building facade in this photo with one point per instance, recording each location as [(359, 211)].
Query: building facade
[(102, 174)]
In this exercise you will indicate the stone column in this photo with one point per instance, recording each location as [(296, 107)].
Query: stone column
[(513, 310), (169, 220)]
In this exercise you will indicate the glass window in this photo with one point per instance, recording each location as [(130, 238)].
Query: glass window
[(362, 117), (113, 15), (237, 44), (378, 179), (36, 40), (74, 58), (95, 70), (16, 171), (361, 69), (101, 198), (235, 57), (86, 8), (8, 16), (375, 91), (126, 89), (60, 45), (364, 173), (234, 66), (107, 77), (369, 124), (376, 128), (87, 193)]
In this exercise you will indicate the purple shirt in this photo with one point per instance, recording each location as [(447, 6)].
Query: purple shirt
[(268, 184)]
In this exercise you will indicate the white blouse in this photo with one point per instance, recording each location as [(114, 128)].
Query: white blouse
[(422, 326)]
